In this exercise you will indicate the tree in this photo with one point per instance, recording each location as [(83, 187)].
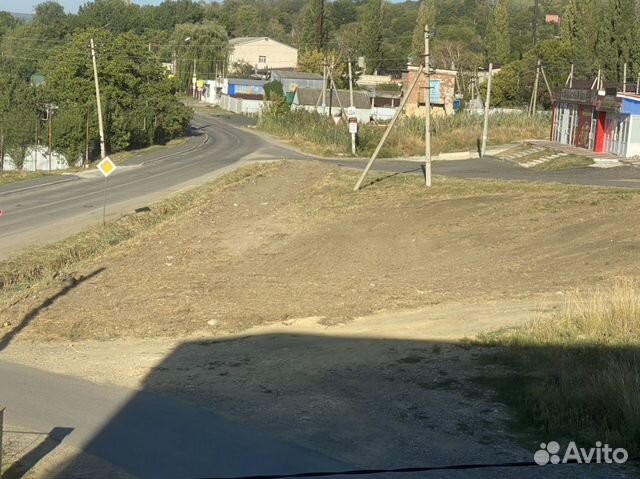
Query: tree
[(579, 28), (372, 34), (498, 38), (617, 38), (247, 22), (51, 21), (204, 45), (426, 16), (313, 32)]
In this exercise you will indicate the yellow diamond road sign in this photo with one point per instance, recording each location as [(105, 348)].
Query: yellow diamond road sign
[(106, 166)]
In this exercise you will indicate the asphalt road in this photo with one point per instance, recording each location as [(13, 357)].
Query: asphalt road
[(52, 208), (144, 434)]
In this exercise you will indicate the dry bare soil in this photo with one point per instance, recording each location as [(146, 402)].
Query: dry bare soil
[(325, 316)]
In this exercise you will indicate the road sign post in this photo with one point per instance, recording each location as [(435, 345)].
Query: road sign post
[(1, 429), (106, 167)]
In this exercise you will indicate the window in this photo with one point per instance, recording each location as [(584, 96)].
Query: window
[(262, 59)]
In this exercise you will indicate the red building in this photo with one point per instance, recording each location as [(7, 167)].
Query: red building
[(604, 123)]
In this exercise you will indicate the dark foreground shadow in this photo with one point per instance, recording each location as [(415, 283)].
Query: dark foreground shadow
[(33, 314), (290, 403), (21, 467)]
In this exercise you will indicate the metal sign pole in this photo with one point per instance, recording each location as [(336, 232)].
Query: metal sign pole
[(1, 429), (104, 206)]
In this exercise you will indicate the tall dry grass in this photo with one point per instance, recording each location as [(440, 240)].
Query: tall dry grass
[(583, 366), (458, 132)]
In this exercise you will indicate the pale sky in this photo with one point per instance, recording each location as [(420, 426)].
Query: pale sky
[(27, 6)]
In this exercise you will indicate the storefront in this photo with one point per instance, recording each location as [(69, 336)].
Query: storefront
[(607, 123)]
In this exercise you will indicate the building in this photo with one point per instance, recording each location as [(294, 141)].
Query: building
[(292, 80), (605, 121), (552, 18), (262, 53), (310, 99), (442, 91)]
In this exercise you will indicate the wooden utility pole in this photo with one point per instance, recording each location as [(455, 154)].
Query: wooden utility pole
[(353, 135), (389, 128), (103, 148), (324, 85), (534, 95), (487, 104), (569, 81), (427, 106), (50, 130), (544, 77), (624, 79), (35, 165)]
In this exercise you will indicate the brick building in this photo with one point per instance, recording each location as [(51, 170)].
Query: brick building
[(443, 87)]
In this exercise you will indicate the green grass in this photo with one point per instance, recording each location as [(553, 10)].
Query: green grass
[(449, 133), (580, 370), (7, 177), (564, 163)]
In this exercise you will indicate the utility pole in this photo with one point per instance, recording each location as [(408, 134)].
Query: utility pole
[(35, 166), (353, 135), (50, 130), (534, 95), (194, 80), (324, 85), (427, 112), (638, 84), (103, 148), (624, 79), (487, 104)]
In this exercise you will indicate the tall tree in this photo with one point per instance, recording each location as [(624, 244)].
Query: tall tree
[(372, 34), (579, 28), (426, 16), (498, 39), (617, 38), (313, 35)]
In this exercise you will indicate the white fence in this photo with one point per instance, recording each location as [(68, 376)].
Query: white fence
[(241, 106), (38, 160)]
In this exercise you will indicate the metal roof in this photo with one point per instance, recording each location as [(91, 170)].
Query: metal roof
[(294, 75), (243, 40), (309, 97)]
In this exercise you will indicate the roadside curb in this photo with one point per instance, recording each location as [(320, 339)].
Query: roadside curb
[(176, 153), (69, 178)]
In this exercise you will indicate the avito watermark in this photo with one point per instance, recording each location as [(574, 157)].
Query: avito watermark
[(600, 454)]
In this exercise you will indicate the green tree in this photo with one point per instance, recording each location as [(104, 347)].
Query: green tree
[(204, 45), (498, 39), (426, 16), (617, 38), (51, 21), (313, 32), (579, 29), (372, 34), (247, 22)]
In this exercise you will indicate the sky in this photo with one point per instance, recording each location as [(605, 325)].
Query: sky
[(27, 6)]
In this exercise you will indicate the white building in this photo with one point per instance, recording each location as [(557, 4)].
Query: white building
[(262, 53)]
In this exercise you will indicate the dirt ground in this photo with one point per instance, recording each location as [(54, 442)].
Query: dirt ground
[(331, 318), (294, 241)]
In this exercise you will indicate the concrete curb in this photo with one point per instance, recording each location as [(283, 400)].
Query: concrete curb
[(69, 178), (176, 153)]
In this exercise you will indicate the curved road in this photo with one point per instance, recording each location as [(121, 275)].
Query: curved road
[(53, 208)]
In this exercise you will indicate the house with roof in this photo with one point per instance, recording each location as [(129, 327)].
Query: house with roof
[(310, 99), (442, 85), (262, 53), (292, 80), (603, 121)]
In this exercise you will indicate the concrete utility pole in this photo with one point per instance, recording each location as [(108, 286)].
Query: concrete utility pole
[(427, 105), (103, 148), (487, 104), (389, 128), (50, 133), (353, 135), (534, 94), (324, 85), (194, 80), (35, 166), (624, 79)]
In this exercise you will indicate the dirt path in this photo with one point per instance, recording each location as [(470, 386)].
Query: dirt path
[(330, 318)]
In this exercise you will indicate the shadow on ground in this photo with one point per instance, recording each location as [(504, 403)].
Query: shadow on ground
[(287, 403)]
